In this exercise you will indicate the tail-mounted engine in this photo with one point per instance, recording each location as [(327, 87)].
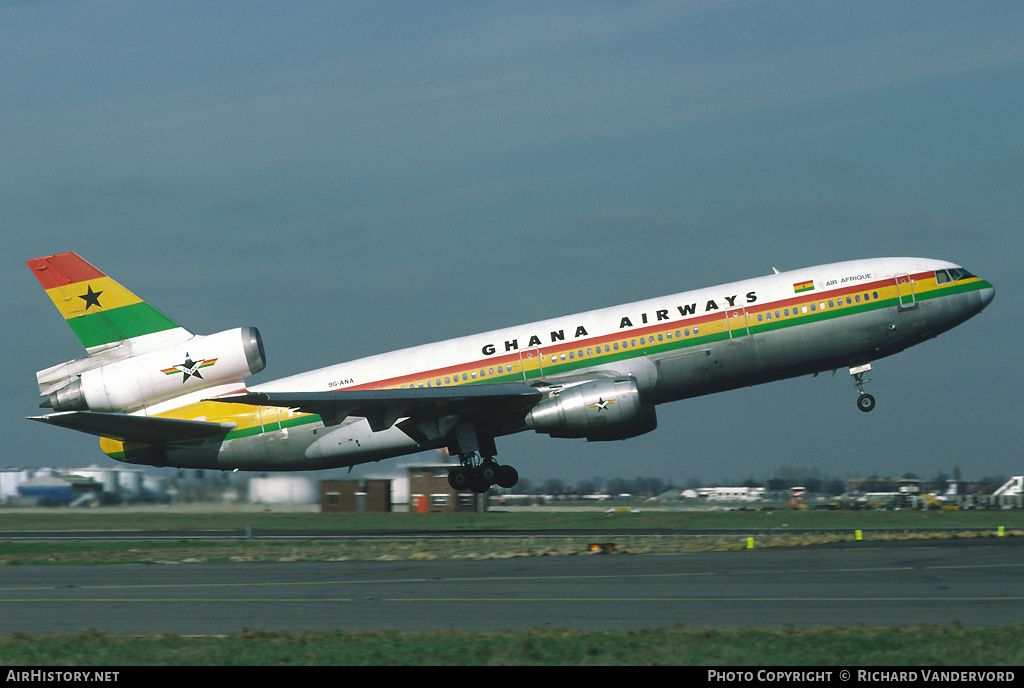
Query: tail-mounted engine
[(607, 409), (149, 378)]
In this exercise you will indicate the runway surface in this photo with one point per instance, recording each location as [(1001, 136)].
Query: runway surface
[(975, 583)]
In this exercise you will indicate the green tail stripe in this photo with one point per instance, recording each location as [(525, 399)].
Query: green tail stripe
[(115, 325)]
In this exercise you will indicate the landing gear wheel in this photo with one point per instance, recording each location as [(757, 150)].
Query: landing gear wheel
[(865, 402), (488, 472), (459, 479), (507, 476), (478, 484)]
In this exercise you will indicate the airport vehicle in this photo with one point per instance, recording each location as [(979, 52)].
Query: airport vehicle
[(160, 395)]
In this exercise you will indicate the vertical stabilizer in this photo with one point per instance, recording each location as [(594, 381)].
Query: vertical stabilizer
[(100, 311)]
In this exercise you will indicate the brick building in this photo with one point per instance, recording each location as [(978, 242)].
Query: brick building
[(429, 492), (355, 496)]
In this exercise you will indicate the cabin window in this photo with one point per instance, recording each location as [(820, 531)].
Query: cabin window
[(696, 331)]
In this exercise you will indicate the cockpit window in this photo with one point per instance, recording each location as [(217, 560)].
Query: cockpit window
[(951, 275)]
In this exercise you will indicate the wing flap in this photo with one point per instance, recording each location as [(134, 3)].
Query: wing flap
[(142, 429)]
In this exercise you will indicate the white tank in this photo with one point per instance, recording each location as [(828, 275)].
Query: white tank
[(107, 477), (282, 490)]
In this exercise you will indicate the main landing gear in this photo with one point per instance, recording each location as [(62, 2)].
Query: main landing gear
[(865, 402), (477, 474)]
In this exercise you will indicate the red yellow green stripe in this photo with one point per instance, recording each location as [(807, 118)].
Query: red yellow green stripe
[(204, 364)]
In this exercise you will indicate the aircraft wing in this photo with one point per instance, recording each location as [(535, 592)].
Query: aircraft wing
[(144, 429), (382, 408)]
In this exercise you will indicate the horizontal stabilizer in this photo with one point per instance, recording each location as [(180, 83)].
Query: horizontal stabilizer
[(143, 429), (383, 407)]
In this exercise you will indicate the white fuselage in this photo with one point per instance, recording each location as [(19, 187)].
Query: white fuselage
[(674, 347)]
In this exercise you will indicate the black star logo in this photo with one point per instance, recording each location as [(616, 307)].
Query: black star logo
[(91, 298), (190, 368)]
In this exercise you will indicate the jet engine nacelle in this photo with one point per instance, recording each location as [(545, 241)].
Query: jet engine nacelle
[(134, 383), (608, 409)]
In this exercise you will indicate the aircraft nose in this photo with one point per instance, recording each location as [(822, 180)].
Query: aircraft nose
[(987, 294)]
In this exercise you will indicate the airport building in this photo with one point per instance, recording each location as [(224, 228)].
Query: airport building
[(429, 491), (355, 496)]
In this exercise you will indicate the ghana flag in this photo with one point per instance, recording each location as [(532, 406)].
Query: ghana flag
[(99, 310), (801, 287)]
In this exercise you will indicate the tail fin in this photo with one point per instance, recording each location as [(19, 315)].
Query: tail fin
[(100, 311)]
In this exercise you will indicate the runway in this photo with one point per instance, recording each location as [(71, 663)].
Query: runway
[(971, 582)]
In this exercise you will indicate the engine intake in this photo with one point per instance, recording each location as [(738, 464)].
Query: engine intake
[(134, 383), (601, 410)]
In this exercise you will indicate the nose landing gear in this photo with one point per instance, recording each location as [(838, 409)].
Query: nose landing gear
[(865, 402)]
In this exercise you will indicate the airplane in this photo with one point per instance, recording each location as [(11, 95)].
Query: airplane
[(157, 394)]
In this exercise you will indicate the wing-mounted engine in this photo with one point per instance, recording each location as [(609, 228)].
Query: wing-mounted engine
[(139, 381), (598, 410)]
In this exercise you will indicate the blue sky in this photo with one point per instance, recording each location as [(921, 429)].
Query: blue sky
[(358, 177)]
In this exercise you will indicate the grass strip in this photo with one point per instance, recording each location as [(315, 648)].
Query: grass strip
[(157, 518), (172, 552), (930, 646)]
